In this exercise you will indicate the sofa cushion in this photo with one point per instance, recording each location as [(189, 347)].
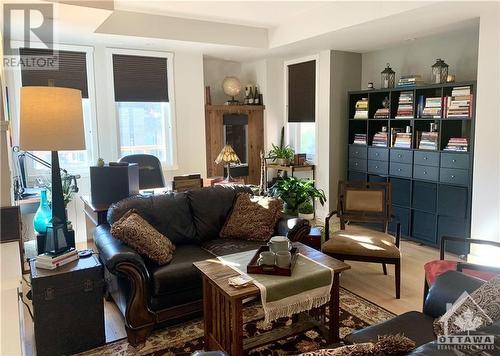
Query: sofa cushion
[(221, 247), (252, 218), (142, 237), (414, 325), (180, 274), (168, 213), (210, 207), (435, 268)]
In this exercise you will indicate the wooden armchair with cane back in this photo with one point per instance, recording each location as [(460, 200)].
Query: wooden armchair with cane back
[(364, 202)]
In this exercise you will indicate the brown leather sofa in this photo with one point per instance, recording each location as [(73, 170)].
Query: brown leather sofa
[(148, 295)]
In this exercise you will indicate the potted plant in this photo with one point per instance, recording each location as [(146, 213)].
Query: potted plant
[(306, 211), (282, 155), (294, 192)]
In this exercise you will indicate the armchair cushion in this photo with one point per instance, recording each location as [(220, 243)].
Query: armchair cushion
[(252, 218), (360, 241), (433, 269)]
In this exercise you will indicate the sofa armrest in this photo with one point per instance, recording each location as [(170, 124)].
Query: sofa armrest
[(446, 289), (113, 252), (292, 227)]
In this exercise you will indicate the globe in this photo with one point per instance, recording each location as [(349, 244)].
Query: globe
[(231, 86)]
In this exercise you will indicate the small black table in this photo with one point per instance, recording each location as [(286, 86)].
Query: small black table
[(68, 307)]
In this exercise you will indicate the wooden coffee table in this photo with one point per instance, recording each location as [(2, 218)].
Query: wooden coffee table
[(223, 307)]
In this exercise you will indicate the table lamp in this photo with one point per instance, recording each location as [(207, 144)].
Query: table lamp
[(51, 119), (227, 156)]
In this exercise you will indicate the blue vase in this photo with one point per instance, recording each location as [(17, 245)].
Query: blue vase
[(43, 215)]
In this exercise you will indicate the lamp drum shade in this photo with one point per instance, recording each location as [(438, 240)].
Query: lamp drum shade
[(51, 119)]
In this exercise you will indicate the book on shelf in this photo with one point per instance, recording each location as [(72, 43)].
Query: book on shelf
[(360, 139), (402, 140), (432, 108), (381, 113), (361, 109), (428, 140), (457, 144), (405, 105), (380, 139), (51, 261), (410, 81), (459, 104)]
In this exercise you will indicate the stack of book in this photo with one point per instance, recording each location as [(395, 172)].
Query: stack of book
[(405, 105), (429, 141), (382, 113), (432, 109), (460, 144), (402, 140), (410, 81), (459, 105), (50, 261), (360, 139), (361, 109), (380, 139)]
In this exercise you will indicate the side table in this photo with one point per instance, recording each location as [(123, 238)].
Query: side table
[(95, 215), (68, 307)]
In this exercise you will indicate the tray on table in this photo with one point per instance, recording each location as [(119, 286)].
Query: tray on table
[(255, 268)]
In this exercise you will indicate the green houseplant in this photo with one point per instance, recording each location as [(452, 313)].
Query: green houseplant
[(295, 192), (306, 211), (281, 154)]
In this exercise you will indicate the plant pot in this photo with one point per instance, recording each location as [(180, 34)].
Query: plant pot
[(282, 161), (306, 216)]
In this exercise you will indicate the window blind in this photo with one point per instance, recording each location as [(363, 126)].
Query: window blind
[(302, 92), (139, 78), (70, 73)]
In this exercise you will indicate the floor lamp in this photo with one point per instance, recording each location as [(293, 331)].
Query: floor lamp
[(51, 119)]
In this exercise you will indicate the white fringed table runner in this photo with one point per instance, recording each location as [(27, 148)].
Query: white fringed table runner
[(308, 287)]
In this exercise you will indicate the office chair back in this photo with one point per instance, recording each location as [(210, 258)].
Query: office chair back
[(150, 172)]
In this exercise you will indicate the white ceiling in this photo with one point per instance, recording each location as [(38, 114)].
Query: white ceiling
[(250, 13), (226, 30)]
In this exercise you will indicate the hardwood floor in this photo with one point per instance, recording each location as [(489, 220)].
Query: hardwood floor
[(364, 279)]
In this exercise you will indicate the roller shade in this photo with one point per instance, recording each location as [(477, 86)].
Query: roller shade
[(139, 78), (70, 73), (302, 92)]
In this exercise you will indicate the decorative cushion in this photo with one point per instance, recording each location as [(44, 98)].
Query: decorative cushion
[(136, 232), (252, 218), (386, 345), (470, 312), (435, 268), (360, 241)]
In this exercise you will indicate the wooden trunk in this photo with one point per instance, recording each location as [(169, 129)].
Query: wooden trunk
[(214, 130)]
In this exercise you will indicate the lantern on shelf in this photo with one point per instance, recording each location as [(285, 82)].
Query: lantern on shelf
[(387, 77), (439, 71)]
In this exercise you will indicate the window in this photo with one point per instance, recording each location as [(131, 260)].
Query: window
[(301, 107), (72, 73), (142, 104)]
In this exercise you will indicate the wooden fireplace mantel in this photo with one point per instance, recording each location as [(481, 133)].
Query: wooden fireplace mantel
[(214, 135)]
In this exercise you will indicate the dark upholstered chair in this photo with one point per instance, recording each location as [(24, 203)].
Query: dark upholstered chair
[(435, 268), (364, 202), (150, 172)]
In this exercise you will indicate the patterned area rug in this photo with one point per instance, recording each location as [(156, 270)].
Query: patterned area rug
[(183, 339)]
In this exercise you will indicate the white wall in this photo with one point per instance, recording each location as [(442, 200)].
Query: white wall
[(345, 75), (458, 49), (486, 181), (214, 72)]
